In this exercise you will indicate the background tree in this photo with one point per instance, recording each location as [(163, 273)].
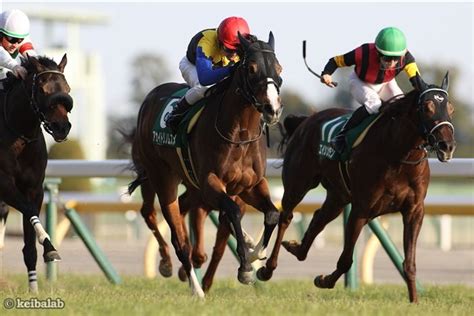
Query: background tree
[(148, 71)]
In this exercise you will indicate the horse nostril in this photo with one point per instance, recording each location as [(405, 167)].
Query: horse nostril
[(269, 109)]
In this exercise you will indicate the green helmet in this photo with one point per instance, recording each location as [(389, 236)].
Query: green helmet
[(391, 42)]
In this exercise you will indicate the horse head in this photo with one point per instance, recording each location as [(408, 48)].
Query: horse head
[(260, 77), (49, 94), (436, 114)]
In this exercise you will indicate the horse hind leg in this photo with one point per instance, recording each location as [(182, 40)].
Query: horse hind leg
[(352, 231), (223, 233), (330, 209), (149, 214)]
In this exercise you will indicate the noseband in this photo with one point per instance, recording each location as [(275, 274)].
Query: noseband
[(246, 88), (34, 103), (428, 132)]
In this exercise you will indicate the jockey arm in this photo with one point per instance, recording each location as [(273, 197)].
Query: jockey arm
[(411, 68), (333, 63), (208, 73)]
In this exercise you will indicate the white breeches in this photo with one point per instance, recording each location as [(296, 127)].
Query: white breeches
[(371, 95), (189, 73)]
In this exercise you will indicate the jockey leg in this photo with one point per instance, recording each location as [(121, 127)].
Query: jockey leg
[(177, 114), (339, 142)]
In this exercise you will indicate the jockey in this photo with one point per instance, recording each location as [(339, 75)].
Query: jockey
[(209, 58), (15, 41), (373, 79)]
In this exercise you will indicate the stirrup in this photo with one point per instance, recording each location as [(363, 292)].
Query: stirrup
[(339, 143)]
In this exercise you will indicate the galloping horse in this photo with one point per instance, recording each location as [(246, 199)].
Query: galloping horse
[(42, 98), (388, 172), (229, 156)]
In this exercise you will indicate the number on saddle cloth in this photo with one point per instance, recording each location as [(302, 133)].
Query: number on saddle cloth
[(331, 129), (162, 134)]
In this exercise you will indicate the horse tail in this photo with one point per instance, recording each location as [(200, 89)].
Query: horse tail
[(288, 128), (135, 165)]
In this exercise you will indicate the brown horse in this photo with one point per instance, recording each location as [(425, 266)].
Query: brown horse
[(42, 98), (388, 172), (229, 156)]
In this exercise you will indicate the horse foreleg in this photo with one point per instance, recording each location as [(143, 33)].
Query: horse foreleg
[(223, 233), (214, 192), (30, 255), (352, 231), (259, 197), (412, 222), (265, 273), (198, 218)]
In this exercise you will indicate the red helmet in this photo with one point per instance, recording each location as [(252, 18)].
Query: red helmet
[(228, 30)]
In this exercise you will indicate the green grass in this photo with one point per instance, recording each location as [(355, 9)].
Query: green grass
[(93, 295)]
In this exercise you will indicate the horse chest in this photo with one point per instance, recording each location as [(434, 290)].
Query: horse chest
[(238, 179)]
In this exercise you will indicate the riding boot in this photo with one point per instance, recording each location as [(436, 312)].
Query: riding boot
[(177, 114), (339, 142)]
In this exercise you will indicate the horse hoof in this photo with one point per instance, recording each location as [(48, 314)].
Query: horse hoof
[(246, 277), (264, 274), (319, 282), (165, 268), (51, 256), (183, 277)]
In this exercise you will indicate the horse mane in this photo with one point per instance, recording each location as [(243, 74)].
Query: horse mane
[(223, 85), (399, 105), (43, 60)]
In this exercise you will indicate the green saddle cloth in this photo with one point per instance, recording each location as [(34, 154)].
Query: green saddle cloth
[(162, 134), (331, 129)]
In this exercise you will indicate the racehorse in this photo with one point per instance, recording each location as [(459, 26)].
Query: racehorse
[(41, 99), (388, 172), (229, 155)]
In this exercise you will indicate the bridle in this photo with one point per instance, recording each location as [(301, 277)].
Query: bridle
[(33, 105), (427, 132), (244, 88)]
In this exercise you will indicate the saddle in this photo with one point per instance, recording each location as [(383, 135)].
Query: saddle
[(354, 137)]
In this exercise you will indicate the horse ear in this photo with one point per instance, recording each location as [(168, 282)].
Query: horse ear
[(271, 40), (420, 84), (243, 41), (445, 83), (35, 62), (63, 63)]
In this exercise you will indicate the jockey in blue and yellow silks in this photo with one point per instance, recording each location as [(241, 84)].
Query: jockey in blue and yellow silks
[(373, 79), (210, 55)]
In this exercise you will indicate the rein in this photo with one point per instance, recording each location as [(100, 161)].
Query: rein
[(33, 105), (227, 139), (244, 88)]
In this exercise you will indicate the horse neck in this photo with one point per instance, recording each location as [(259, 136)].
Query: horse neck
[(237, 118), (18, 113), (402, 130)]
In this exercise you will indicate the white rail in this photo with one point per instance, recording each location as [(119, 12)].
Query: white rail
[(460, 167)]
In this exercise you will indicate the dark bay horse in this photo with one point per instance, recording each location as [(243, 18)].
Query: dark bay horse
[(41, 99), (388, 173), (228, 153)]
